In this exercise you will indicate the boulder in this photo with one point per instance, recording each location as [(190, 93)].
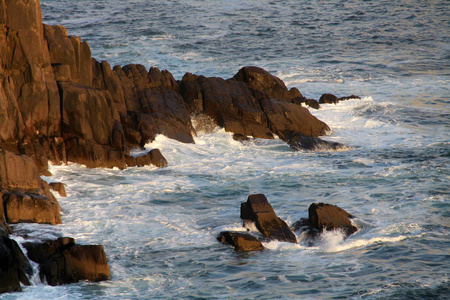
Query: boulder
[(75, 263), (58, 187), (258, 210), (153, 157), (240, 241), (259, 79), (332, 99), (328, 98), (300, 142), (14, 266), (324, 216), (285, 118)]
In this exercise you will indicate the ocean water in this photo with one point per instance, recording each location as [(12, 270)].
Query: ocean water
[(159, 226)]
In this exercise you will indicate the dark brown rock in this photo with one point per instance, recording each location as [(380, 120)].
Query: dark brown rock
[(259, 79), (230, 103), (14, 266), (78, 262), (18, 172), (328, 98), (349, 97), (324, 216), (58, 187), (153, 157), (309, 102), (31, 208), (332, 99), (240, 241), (285, 118), (40, 252), (157, 158), (300, 142), (258, 210)]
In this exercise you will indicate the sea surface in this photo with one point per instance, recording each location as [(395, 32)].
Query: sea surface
[(159, 226)]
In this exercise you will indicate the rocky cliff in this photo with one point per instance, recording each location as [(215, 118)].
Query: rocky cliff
[(59, 104)]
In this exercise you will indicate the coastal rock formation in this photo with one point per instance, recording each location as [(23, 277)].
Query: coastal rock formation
[(252, 103), (324, 217), (59, 104), (25, 196), (62, 261), (14, 266), (153, 157), (258, 210), (240, 241), (332, 99)]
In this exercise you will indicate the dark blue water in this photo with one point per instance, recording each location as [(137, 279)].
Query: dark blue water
[(159, 226)]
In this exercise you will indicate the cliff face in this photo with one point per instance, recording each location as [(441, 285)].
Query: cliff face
[(57, 103)]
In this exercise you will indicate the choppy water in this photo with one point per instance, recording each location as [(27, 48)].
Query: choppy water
[(159, 226)]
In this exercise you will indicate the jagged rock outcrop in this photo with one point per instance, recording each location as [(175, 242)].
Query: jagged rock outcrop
[(258, 210), (240, 241), (62, 261), (252, 103)]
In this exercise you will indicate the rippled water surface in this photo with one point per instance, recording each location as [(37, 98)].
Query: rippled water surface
[(159, 226)]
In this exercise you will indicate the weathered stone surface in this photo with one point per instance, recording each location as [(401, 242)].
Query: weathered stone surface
[(230, 103), (153, 105), (18, 172), (286, 118), (258, 210), (324, 216), (75, 263), (240, 241), (31, 208), (14, 266)]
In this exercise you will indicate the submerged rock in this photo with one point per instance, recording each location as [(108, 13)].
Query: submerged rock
[(258, 210), (241, 242), (300, 142)]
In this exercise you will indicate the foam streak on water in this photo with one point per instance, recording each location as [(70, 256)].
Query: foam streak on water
[(159, 226)]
